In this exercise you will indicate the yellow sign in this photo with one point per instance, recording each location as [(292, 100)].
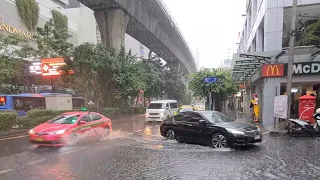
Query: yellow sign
[(14, 30), (273, 68)]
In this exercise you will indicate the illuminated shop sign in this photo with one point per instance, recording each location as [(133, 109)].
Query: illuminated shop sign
[(14, 30), (35, 68), (50, 67)]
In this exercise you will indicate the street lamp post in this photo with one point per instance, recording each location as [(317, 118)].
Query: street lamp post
[(291, 56)]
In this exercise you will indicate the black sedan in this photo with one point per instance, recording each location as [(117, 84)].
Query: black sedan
[(209, 127)]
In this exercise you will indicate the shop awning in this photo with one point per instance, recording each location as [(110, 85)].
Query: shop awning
[(244, 65)]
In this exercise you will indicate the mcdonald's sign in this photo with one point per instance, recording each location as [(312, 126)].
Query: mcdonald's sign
[(272, 70)]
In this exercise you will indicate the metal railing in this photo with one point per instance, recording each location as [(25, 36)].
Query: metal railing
[(174, 23)]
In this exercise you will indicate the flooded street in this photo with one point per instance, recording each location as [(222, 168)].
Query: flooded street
[(135, 150)]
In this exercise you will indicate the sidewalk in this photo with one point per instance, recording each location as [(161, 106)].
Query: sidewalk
[(20, 132), (278, 129)]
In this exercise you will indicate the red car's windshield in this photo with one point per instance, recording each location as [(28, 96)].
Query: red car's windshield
[(64, 119)]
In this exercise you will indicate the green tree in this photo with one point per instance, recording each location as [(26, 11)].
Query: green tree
[(309, 35), (29, 12), (175, 87), (224, 87), (60, 20), (155, 76), (12, 66), (51, 43), (113, 78)]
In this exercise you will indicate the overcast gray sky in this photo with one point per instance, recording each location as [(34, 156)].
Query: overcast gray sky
[(211, 26)]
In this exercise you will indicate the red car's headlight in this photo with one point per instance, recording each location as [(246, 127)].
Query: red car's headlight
[(31, 131), (58, 132)]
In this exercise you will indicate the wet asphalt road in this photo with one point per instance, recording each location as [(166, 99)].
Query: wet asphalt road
[(135, 150)]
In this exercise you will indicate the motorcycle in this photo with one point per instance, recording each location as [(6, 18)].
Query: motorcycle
[(300, 127)]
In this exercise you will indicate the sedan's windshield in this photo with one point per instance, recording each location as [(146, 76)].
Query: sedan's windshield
[(155, 106), (185, 109), (216, 117), (64, 119)]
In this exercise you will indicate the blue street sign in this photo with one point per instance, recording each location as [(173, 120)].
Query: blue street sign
[(210, 79)]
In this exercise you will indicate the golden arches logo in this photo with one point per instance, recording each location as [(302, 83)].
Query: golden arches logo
[(273, 68)]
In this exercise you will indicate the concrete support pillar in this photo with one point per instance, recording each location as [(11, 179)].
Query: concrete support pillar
[(273, 28), (112, 25), (270, 87)]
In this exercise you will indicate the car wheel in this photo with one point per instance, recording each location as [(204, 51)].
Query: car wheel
[(72, 139), (218, 140), (170, 134)]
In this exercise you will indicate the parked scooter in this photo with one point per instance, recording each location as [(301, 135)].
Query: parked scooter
[(297, 126)]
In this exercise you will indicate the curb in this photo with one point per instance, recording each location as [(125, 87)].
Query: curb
[(13, 133), (278, 133), (127, 117)]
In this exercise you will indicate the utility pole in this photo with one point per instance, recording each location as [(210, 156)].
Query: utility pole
[(291, 56)]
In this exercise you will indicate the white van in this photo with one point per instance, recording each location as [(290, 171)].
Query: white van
[(161, 110)]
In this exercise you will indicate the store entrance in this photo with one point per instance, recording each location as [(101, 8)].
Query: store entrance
[(299, 89)]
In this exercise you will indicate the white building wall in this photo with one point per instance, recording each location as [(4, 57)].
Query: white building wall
[(137, 49), (86, 24), (270, 13), (266, 35)]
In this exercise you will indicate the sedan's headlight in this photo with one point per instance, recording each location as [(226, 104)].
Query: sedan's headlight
[(233, 131), (60, 131), (258, 128), (31, 131), (57, 132)]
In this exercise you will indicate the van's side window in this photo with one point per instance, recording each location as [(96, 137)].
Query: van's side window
[(173, 105), (167, 106)]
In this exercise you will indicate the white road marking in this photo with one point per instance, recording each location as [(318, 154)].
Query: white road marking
[(139, 131), (37, 161), (156, 125), (14, 137), (5, 171), (67, 152)]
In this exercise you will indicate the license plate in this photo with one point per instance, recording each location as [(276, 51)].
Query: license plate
[(39, 139), (257, 137)]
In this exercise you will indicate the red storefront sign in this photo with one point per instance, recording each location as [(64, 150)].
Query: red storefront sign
[(272, 70)]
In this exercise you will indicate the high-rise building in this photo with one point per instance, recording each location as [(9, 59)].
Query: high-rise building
[(80, 31), (261, 61)]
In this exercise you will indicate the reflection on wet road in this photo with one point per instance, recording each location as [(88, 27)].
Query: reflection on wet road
[(137, 151)]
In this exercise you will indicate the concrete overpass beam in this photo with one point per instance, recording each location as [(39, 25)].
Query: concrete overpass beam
[(112, 25)]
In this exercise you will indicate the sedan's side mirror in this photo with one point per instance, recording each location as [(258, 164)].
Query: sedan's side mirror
[(82, 122), (202, 121)]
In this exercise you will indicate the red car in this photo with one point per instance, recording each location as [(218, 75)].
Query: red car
[(67, 127)]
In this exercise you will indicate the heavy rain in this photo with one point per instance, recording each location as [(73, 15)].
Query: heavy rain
[(159, 90)]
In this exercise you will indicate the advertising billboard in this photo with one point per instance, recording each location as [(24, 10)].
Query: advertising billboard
[(50, 67)]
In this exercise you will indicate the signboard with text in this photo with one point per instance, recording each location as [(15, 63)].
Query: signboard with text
[(304, 68), (280, 106), (298, 69), (50, 67), (210, 79)]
